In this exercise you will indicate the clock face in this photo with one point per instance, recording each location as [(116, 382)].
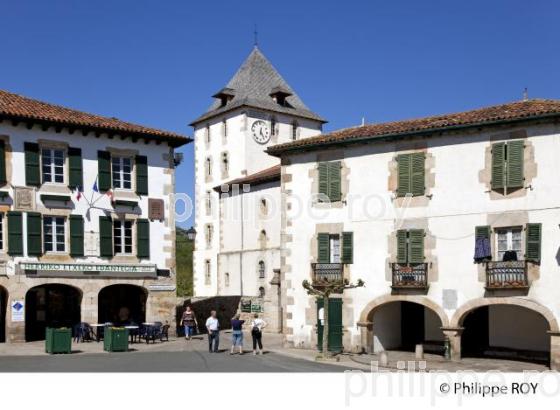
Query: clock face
[(261, 132)]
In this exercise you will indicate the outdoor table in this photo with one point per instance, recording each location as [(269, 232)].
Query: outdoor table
[(96, 326), (131, 335)]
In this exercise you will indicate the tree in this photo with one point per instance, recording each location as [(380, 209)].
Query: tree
[(324, 289)]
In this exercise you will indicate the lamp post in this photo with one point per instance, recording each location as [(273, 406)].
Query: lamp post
[(191, 234)]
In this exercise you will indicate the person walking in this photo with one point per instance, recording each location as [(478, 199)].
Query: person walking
[(213, 327), (188, 321), (257, 326), (236, 334)]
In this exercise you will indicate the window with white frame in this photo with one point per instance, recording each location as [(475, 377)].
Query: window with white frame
[(52, 161), (207, 272), (294, 130), (208, 202), (122, 237), (122, 172), (54, 237), (225, 163), (261, 270), (509, 243), (1, 231), (209, 232)]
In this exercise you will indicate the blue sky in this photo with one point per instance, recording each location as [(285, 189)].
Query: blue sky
[(158, 62)]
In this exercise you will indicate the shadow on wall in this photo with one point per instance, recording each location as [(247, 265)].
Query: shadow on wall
[(225, 306)]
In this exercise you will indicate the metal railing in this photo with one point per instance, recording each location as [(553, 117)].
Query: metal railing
[(326, 272), (410, 275), (506, 275)]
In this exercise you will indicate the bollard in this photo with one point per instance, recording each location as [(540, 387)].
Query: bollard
[(419, 352), (383, 359)]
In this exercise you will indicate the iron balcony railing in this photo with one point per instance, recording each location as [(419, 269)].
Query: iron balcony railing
[(506, 275), (323, 273), (410, 275)]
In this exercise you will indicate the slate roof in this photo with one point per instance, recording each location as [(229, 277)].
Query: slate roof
[(20, 108), (266, 175), (252, 84), (504, 113)]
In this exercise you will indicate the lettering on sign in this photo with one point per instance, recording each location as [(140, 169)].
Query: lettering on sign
[(156, 210), (86, 267)]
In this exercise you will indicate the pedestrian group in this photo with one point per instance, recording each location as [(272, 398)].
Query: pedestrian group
[(188, 321)]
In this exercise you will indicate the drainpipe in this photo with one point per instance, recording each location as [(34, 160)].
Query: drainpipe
[(242, 247)]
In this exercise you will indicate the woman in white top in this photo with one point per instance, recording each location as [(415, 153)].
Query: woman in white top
[(257, 325)]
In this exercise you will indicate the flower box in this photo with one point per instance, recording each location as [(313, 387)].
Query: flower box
[(115, 339), (58, 340)]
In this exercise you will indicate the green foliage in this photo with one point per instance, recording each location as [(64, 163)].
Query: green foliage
[(184, 255)]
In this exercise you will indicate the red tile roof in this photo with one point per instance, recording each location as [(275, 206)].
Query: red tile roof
[(267, 175), (512, 112), (19, 108)]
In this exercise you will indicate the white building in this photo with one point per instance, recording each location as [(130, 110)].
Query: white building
[(234, 255), (72, 253), (403, 206)]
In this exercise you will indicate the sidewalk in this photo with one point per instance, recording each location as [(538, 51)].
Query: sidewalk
[(273, 343)]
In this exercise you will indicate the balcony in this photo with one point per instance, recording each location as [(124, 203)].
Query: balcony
[(506, 275), (410, 276), (325, 273)]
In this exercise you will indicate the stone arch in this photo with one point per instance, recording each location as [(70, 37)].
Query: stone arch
[(461, 313), (51, 304), (122, 303), (422, 300)]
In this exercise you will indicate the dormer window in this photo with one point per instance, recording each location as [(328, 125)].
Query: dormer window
[(225, 95), (280, 95)]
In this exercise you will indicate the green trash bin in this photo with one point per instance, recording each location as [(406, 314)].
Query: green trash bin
[(115, 339), (58, 340)]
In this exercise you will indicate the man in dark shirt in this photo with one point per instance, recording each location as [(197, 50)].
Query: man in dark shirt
[(237, 334)]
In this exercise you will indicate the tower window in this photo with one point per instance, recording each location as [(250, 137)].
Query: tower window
[(225, 162), (261, 292), (208, 167), (261, 270), (226, 279), (224, 127), (294, 130), (207, 272), (208, 133), (273, 124)]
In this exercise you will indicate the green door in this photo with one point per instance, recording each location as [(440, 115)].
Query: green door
[(335, 325)]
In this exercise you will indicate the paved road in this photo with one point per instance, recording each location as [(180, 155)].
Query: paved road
[(192, 361)]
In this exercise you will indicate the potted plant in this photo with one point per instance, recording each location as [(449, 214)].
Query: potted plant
[(115, 339), (58, 340)]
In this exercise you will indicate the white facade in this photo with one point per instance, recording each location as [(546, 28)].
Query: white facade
[(458, 198), (55, 265)]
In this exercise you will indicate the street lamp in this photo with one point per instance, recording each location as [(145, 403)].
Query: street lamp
[(191, 233)]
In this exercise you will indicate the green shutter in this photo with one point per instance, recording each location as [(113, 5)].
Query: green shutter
[(141, 164), (404, 169), (498, 165), (417, 174), (416, 245), (104, 170), (143, 238), (34, 234), (32, 172), (105, 236), (533, 242), (334, 181), (515, 164), (75, 178), (347, 247), (323, 179), (323, 253), (482, 232), (76, 235), (2, 162), (15, 233), (402, 250)]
